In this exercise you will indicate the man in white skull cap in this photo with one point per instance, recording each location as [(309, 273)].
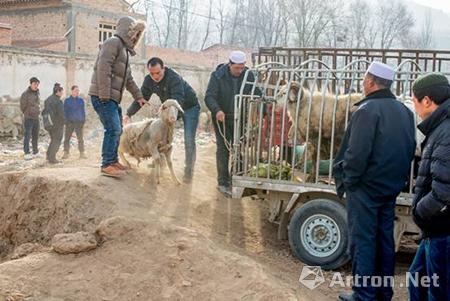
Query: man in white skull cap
[(225, 82), (372, 168)]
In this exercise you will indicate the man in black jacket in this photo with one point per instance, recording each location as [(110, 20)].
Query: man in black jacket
[(431, 96), (167, 84), (372, 169), (225, 82), (55, 108)]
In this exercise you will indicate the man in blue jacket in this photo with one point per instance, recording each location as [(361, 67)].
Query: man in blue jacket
[(431, 96), (372, 168), (167, 84), (74, 116), (225, 82)]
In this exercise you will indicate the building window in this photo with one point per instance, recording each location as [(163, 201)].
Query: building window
[(105, 31)]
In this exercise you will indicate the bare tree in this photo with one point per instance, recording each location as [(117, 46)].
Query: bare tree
[(310, 19), (394, 21), (358, 27), (221, 25), (208, 25), (426, 34), (168, 11), (269, 19), (182, 23), (236, 17)]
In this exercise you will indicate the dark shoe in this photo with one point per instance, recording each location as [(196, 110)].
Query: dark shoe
[(187, 178), (225, 190), (65, 156), (346, 297), (54, 162), (112, 171)]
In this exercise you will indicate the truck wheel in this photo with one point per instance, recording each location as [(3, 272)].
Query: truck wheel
[(318, 233)]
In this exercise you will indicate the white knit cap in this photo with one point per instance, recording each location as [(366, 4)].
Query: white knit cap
[(238, 57), (381, 70)]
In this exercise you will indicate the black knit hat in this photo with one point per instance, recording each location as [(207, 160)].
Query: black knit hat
[(434, 85), (429, 80), (34, 80)]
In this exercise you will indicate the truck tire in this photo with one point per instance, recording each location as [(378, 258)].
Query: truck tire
[(318, 234)]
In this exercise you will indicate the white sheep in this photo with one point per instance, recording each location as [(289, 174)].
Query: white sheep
[(151, 138)]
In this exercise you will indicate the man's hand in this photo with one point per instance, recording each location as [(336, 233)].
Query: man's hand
[(220, 116), (125, 119), (141, 101)]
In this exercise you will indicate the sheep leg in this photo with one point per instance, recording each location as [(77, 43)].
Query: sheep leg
[(168, 156), (312, 157), (122, 157), (157, 160)]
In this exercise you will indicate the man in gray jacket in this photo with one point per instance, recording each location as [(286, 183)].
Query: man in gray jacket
[(29, 104), (112, 74)]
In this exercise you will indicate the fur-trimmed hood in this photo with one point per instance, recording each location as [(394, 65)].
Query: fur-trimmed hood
[(130, 31)]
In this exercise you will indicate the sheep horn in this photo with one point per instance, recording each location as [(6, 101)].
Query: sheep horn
[(179, 108)]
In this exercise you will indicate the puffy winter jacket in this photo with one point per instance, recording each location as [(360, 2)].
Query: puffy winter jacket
[(432, 192), (112, 73)]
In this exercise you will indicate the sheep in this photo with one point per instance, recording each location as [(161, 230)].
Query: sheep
[(300, 120), (152, 138)]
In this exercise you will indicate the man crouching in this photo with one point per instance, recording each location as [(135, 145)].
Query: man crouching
[(112, 73)]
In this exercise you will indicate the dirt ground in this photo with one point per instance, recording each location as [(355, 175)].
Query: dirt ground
[(167, 242)]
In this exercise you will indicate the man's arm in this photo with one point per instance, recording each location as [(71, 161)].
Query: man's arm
[(83, 109), (66, 109), (363, 125), (23, 103), (212, 94), (135, 105), (439, 196)]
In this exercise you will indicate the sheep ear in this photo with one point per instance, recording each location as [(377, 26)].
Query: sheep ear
[(179, 108)]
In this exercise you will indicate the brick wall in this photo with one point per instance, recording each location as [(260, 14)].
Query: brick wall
[(5, 34), (87, 28), (4, 7), (30, 25)]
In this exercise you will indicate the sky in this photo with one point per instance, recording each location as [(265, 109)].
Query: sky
[(438, 4)]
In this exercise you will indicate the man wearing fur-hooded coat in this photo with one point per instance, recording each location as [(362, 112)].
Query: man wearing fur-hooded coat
[(112, 74)]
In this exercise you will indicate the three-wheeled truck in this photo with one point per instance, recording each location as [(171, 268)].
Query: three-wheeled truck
[(286, 157)]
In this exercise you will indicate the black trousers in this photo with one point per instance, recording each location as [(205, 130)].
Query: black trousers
[(76, 127), (371, 243), (222, 153), (56, 135), (31, 127)]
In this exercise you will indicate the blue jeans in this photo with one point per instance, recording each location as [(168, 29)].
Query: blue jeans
[(432, 258), (190, 120), (371, 243), (31, 127), (110, 114)]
